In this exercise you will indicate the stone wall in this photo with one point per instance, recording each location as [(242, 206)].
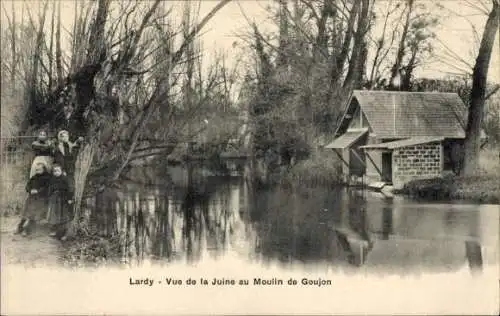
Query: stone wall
[(422, 161)]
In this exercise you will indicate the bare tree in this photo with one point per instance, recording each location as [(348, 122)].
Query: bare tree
[(402, 43), (478, 93), (121, 70), (405, 42), (153, 103), (381, 50)]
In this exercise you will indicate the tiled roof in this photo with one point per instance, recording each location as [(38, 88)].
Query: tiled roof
[(404, 142), (394, 114), (346, 139)]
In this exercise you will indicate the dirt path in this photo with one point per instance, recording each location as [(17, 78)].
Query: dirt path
[(38, 249)]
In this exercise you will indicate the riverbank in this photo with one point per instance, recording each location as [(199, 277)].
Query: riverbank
[(481, 188), (478, 189), (37, 249)]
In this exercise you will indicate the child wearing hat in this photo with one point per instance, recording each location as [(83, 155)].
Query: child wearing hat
[(35, 207)]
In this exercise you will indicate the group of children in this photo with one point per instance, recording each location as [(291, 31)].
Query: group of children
[(50, 186)]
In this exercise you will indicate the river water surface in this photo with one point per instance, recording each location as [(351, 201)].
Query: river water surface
[(348, 251), (185, 218)]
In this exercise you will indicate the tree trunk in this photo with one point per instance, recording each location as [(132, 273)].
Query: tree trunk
[(346, 44), (190, 56), (340, 58), (96, 39), (406, 80), (380, 43), (322, 38), (359, 45), (360, 79), (283, 34), (85, 91), (401, 49), (479, 78), (51, 48), (13, 28), (33, 89), (59, 68)]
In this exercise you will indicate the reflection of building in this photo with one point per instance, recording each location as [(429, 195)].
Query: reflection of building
[(218, 219), (405, 236)]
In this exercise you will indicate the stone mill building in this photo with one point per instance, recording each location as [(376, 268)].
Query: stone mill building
[(392, 137)]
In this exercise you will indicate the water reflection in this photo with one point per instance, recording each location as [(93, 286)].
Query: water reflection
[(211, 217)]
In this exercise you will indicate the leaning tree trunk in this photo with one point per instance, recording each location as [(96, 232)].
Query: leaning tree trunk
[(477, 99), (85, 93), (82, 167)]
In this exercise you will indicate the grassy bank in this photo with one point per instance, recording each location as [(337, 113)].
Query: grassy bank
[(484, 187)]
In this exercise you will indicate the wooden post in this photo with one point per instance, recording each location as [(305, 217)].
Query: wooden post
[(346, 176), (359, 158), (441, 159), (341, 158), (374, 164)]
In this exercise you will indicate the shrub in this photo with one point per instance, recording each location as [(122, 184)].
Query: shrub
[(321, 168), (92, 250)]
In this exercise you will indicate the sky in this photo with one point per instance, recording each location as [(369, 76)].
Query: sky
[(455, 32), (221, 33)]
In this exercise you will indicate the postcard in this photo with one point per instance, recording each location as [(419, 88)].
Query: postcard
[(250, 157)]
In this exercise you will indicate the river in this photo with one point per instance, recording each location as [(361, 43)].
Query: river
[(184, 217)]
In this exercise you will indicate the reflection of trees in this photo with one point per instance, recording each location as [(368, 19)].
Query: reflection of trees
[(103, 215), (164, 232), (177, 221), (203, 218), (192, 230)]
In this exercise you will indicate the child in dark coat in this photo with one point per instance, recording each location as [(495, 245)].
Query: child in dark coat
[(43, 150), (35, 207), (60, 203)]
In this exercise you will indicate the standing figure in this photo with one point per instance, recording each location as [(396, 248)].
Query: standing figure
[(65, 153), (43, 149), (60, 203), (35, 207)]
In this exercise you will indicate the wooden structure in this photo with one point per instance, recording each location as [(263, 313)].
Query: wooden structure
[(394, 137)]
